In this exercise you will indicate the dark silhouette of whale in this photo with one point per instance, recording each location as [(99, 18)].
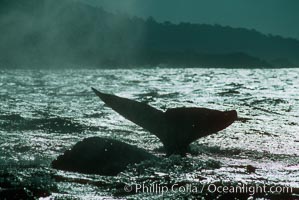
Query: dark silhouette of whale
[(176, 127), (101, 156)]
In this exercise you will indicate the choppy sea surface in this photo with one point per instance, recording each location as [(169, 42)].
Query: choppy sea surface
[(45, 112)]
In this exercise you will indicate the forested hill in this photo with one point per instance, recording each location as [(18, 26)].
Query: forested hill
[(69, 33)]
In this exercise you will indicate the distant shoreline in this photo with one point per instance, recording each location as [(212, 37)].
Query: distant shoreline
[(77, 67)]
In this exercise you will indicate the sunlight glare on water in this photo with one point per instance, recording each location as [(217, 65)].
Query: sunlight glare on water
[(45, 112)]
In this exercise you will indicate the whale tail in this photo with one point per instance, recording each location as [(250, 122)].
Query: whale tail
[(177, 127)]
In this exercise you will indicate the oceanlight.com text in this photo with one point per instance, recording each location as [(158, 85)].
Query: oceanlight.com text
[(208, 188)]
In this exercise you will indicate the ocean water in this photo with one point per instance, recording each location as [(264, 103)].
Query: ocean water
[(45, 112)]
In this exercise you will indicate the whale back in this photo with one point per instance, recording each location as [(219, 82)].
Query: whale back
[(101, 156)]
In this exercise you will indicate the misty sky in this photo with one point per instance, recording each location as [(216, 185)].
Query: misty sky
[(278, 17)]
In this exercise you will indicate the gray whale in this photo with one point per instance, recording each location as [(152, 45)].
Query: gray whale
[(176, 127)]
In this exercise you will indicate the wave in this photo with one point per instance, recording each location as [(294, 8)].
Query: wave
[(229, 92), (150, 96), (269, 101), (15, 122)]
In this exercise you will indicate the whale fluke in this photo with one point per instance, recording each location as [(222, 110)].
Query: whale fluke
[(176, 127), (101, 156)]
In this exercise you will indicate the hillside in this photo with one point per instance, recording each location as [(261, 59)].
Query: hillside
[(58, 33)]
